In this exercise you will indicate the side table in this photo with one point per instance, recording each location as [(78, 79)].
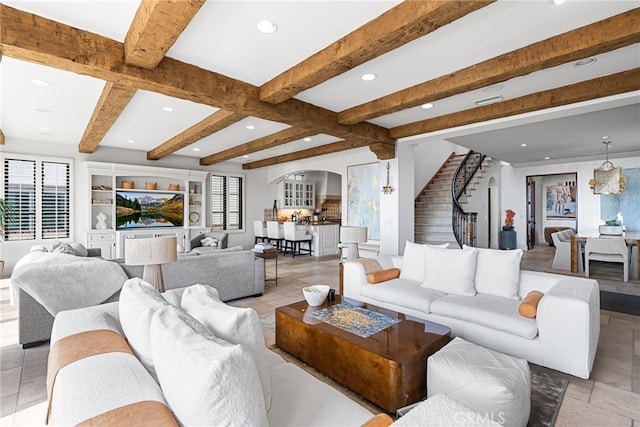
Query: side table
[(269, 254)]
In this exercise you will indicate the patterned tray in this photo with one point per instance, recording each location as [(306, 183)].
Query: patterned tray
[(356, 320)]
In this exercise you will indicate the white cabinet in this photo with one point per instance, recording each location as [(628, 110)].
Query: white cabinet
[(105, 241), (296, 194), (325, 239)]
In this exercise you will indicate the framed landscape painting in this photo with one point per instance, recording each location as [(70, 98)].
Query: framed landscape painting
[(363, 198)]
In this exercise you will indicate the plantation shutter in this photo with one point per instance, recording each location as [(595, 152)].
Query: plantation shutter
[(55, 200), (235, 203), (218, 220), (227, 199), (20, 193)]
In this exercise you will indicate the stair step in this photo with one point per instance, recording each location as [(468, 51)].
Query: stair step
[(430, 205), (434, 220), (433, 229)]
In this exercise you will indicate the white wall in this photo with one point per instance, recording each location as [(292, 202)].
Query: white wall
[(429, 156), (513, 191)]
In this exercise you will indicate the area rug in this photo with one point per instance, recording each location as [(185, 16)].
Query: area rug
[(547, 391), (622, 303)]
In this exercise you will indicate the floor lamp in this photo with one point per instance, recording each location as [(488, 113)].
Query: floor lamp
[(349, 239), (151, 252)]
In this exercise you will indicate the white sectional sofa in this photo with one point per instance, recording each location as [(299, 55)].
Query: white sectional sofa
[(155, 361), (477, 293)]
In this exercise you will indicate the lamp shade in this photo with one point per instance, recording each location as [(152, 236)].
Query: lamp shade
[(152, 250), (353, 234)]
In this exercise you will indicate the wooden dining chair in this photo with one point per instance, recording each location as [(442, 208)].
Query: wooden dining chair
[(606, 249)]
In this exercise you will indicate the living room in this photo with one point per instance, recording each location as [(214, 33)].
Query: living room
[(413, 162)]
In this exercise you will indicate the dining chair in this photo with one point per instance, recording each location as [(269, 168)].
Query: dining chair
[(293, 237), (562, 242), (606, 249), (259, 231), (275, 234)]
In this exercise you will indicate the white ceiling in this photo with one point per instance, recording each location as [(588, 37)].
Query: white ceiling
[(222, 38)]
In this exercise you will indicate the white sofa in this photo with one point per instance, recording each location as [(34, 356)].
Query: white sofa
[(563, 336), (117, 387)]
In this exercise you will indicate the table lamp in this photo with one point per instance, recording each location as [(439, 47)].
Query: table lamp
[(349, 239), (151, 252)]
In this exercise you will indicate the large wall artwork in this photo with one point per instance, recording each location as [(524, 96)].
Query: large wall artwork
[(363, 198), (626, 203), (561, 198)]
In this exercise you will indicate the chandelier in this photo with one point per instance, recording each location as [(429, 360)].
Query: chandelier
[(388, 189), (607, 179)]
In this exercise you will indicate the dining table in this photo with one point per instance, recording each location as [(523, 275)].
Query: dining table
[(631, 238)]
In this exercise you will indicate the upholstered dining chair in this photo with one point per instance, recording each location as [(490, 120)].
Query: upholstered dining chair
[(293, 237), (562, 242), (606, 249), (259, 231), (275, 234)]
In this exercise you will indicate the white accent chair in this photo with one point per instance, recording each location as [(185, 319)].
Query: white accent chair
[(259, 231), (293, 237), (606, 249), (562, 242), (275, 234)]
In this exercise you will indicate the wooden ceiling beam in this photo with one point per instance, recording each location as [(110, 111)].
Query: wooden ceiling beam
[(403, 23), (112, 101), (264, 143), (33, 38), (1, 137), (333, 147), (613, 84), (603, 36), (214, 123), (155, 28)]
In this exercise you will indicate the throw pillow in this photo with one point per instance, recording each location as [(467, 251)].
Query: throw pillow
[(450, 270), (498, 272), (205, 380), (79, 249), (61, 247), (236, 325), (209, 241), (413, 260), (138, 303), (383, 275), (529, 305)]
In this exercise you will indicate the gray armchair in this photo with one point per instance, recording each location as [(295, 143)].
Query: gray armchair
[(223, 239)]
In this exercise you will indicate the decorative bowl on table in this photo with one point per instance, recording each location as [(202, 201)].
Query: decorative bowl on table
[(315, 294)]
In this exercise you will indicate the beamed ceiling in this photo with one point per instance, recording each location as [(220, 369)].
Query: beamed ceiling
[(262, 99)]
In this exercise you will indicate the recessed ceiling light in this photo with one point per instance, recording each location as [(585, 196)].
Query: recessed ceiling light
[(605, 137), (368, 77), (40, 82), (557, 2), (245, 157), (196, 149), (523, 145), (267, 27), (42, 110), (307, 139), (585, 62), (547, 158), (427, 105), (487, 101), (132, 141), (44, 131), (167, 109), (250, 127)]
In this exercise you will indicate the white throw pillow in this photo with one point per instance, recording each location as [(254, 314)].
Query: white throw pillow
[(413, 260), (138, 302), (236, 325), (209, 241), (450, 270), (498, 272), (206, 381), (79, 249)]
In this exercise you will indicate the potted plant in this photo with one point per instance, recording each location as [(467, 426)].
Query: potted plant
[(6, 214), (611, 227)]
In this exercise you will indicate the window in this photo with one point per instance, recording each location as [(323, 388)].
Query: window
[(40, 196), (227, 202)]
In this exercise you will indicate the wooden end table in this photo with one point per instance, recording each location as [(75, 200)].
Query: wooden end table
[(269, 254), (388, 368)]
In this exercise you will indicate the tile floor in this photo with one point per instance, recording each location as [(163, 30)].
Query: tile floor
[(611, 397)]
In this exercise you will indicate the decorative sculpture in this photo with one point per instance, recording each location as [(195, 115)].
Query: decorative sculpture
[(102, 221), (508, 221)]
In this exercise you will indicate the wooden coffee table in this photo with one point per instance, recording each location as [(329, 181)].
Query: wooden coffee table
[(388, 368)]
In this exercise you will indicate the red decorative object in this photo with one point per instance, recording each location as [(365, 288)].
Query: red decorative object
[(509, 219)]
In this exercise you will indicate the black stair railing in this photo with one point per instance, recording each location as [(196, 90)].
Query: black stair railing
[(465, 223)]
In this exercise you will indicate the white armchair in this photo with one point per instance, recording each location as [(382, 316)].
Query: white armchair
[(606, 249), (562, 242)]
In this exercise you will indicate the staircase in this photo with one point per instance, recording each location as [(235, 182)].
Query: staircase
[(433, 206)]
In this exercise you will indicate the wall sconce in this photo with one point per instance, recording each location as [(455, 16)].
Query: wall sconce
[(388, 189), (607, 179)]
